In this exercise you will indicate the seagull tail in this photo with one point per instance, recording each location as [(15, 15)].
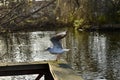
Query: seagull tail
[(66, 49)]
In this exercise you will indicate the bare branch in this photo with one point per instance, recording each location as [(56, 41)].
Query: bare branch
[(29, 15), (17, 5)]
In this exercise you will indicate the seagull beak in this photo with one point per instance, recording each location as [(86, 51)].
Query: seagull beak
[(44, 50)]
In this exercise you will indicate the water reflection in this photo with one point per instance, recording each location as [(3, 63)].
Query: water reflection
[(97, 49), (21, 77), (94, 55), (24, 47)]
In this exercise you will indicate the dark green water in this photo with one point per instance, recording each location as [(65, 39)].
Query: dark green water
[(94, 55)]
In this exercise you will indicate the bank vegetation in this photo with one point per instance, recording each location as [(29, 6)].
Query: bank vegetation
[(45, 14)]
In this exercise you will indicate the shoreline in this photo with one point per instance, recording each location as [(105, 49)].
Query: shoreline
[(104, 27)]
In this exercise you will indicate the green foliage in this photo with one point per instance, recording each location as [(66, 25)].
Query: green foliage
[(78, 23), (113, 12), (101, 19), (71, 17)]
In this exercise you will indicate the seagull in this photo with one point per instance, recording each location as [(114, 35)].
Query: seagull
[(57, 46)]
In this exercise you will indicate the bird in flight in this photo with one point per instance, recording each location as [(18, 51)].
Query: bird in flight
[(57, 46)]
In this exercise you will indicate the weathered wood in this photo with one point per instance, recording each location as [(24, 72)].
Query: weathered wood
[(39, 76), (52, 70), (61, 71), (48, 76), (7, 69)]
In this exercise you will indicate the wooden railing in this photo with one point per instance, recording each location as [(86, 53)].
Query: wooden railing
[(52, 70)]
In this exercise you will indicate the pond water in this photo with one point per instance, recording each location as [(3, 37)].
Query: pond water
[(94, 55)]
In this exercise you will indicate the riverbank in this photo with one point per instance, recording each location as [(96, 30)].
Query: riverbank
[(104, 27), (55, 26), (50, 26), (29, 26)]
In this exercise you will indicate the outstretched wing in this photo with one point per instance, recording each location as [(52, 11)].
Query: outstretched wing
[(56, 39)]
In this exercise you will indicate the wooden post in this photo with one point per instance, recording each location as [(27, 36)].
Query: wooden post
[(48, 76), (39, 76)]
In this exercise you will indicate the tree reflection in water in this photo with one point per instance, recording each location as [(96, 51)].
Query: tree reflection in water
[(94, 55), (25, 47)]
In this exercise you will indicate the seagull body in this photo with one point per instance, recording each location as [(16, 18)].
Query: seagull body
[(57, 47), (57, 50)]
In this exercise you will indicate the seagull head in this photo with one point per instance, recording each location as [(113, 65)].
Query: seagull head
[(48, 49)]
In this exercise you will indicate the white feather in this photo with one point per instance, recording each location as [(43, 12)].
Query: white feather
[(66, 49)]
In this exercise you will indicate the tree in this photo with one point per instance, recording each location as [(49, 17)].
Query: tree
[(22, 11), (90, 12)]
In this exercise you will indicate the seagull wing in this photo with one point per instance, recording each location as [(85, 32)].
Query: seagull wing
[(56, 39), (56, 43)]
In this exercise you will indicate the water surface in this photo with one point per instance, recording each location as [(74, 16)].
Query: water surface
[(25, 47), (94, 55)]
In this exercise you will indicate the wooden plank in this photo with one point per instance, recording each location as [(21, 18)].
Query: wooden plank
[(8, 69), (52, 70), (23, 63), (61, 71)]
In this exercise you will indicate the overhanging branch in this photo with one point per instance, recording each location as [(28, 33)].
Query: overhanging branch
[(29, 15)]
